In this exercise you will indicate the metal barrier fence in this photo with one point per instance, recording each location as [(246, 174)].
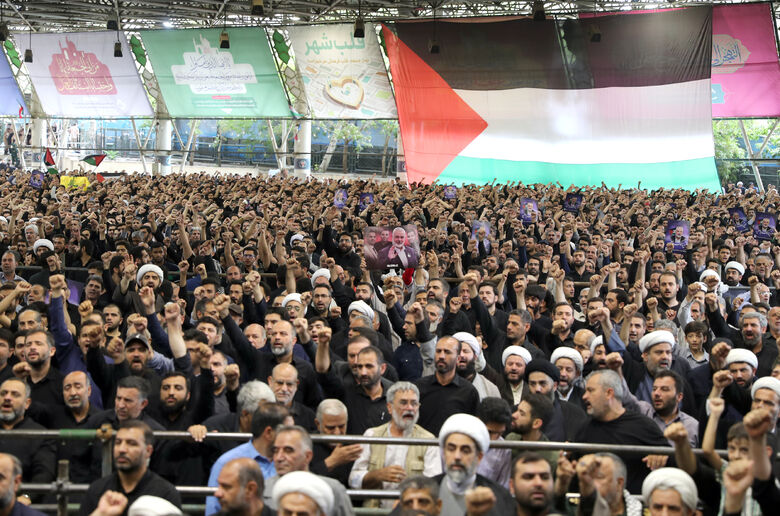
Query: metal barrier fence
[(62, 486)]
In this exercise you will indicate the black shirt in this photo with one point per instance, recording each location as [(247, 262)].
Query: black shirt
[(48, 391), (150, 484), (630, 428), (364, 413), (438, 402)]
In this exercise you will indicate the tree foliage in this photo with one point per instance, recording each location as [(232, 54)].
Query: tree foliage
[(730, 145)]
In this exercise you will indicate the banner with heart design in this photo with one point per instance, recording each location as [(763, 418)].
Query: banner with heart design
[(344, 76)]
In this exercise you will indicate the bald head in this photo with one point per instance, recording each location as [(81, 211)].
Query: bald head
[(76, 389), (284, 383), (240, 487)]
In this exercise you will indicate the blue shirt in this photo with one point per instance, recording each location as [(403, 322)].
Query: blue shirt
[(243, 451)]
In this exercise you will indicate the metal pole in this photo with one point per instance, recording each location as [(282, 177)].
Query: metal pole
[(138, 142), (191, 138), (750, 154), (63, 479)]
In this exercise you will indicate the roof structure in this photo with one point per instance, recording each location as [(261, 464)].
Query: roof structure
[(81, 15)]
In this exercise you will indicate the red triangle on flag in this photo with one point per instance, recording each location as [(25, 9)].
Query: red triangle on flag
[(100, 178), (436, 124)]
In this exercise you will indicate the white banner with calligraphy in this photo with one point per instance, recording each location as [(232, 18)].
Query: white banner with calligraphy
[(76, 75), (344, 76)]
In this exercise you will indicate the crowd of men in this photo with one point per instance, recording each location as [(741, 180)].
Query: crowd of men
[(238, 304)]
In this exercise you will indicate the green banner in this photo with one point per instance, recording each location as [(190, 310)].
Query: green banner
[(199, 79)]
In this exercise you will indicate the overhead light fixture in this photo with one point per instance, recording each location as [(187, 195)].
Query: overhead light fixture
[(112, 24), (594, 33), (257, 8), (3, 31), (28, 56), (538, 11), (224, 40), (433, 46), (117, 49), (360, 28), (168, 24)]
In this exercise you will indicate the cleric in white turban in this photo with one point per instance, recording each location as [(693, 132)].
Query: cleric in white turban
[(307, 489), (670, 486)]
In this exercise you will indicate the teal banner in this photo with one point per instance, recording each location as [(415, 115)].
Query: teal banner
[(199, 79)]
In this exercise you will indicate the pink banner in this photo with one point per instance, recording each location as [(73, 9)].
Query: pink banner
[(745, 69)]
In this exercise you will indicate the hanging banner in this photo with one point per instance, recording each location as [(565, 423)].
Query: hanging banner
[(745, 69), (76, 75), (499, 103), (199, 79), (344, 76), (11, 99)]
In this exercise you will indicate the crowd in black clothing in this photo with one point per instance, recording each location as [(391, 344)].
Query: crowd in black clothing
[(236, 304)]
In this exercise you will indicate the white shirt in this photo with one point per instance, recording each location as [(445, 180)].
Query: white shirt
[(395, 455)]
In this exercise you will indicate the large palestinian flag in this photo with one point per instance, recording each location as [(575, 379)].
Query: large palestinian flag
[(616, 99)]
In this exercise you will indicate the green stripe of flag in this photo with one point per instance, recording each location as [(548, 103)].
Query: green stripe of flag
[(687, 174)]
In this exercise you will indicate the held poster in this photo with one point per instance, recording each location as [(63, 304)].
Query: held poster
[(199, 79), (344, 76), (76, 75)]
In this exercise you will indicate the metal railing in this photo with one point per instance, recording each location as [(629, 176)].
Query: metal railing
[(62, 487)]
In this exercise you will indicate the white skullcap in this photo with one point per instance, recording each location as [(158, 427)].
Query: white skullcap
[(766, 382), (598, 341), (291, 297), (739, 355), (149, 267), (307, 484), (471, 340), (570, 353), (671, 478), (656, 337), (320, 273), (706, 273), (152, 506), (362, 307), (468, 425), (43, 242), (736, 266), (516, 350), (295, 238)]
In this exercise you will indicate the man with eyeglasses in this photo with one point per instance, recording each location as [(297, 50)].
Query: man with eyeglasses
[(384, 467)]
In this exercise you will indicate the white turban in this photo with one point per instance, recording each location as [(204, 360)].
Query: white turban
[(147, 505), (570, 353), (656, 337), (706, 273), (3, 219), (468, 425), (471, 340), (736, 266), (307, 484), (320, 273), (43, 242), (671, 478), (516, 350), (362, 307), (598, 341), (149, 267), (739, 355), (291, 297), (766, 382), (295, 238)]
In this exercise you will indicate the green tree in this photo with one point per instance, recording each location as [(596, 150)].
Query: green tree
[(730, 145), (389, 129), (349, 132)]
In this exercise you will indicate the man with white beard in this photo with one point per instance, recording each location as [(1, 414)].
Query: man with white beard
[(383, 467), (463, 440)]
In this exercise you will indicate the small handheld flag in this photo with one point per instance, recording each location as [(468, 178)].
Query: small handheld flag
[(94, 159), (48, 159)]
